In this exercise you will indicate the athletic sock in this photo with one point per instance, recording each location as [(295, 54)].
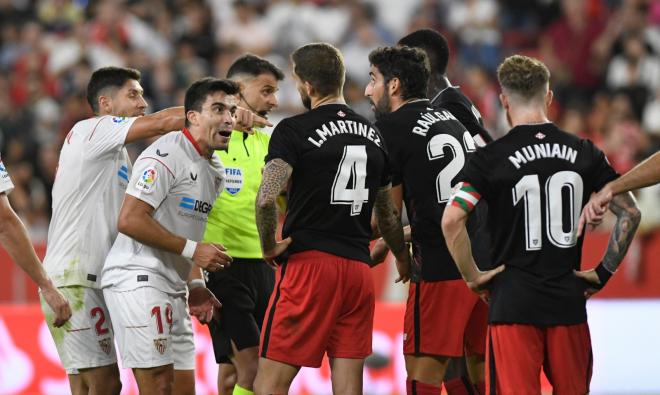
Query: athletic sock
[(414, 387), (238, 390), (458, 386)]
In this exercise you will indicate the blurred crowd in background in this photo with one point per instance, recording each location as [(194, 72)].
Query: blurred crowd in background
[(604, 56)]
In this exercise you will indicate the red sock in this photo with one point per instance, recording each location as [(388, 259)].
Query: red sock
[(457, 386), (481, 387), (414, 387)]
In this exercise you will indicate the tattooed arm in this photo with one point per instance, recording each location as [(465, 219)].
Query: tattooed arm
[(389, 226), (275, 177), (627, 219)]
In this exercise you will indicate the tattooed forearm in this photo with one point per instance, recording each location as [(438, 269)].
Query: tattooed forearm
[(276, 175), (388, 221), (627, 220)]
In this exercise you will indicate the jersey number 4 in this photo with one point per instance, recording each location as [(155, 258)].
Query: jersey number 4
[(349, 185), (528, 189)]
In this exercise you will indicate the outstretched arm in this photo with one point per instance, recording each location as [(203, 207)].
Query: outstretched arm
[(275, 177), (644, 174), (628, 216), (389, 226), (14, 238)]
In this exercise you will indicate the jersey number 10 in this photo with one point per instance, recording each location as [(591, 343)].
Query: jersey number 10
[(528, 189)]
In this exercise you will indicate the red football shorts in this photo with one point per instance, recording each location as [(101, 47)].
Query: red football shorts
[(444, 318), (517, 352), (321, 303)]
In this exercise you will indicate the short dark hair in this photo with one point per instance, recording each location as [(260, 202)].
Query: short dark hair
[(254, 65), (197, 93), (434, 44), (322, 65), (409, 65), (523, 75), (108, 77)]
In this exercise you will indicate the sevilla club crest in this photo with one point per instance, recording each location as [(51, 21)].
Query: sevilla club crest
[(161, 345)]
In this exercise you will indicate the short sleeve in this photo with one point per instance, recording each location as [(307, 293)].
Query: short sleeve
[(5, 181), (108, 136), (601, 171), (284, 144), (151, 180), (476, 172), (394, 155)]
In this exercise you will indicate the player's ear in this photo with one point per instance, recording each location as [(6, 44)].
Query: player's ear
[(105, 104), (505, 101), (394, 86), (548, 98), (309, 89), (191, 116)]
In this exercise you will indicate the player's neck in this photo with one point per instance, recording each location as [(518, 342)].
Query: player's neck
[(332, 99), (527, 116), (437, 85), (397, 102)]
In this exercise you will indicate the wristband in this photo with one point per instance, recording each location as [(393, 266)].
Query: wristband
[(189, 249), (196, 283), (603, 275)]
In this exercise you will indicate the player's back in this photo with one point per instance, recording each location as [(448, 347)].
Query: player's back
[(92, 175), (338, 161), (536, 180), (427, 148)]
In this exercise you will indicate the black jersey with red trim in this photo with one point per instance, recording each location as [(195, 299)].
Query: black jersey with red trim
[(339, 162), (452, 99), (536, 180), (427, 148)]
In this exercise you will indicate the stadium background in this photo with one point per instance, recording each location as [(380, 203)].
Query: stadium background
[(604, 56)]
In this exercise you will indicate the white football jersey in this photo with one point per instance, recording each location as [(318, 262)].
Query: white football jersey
[(181, 185), (92, 175), (5, 182)]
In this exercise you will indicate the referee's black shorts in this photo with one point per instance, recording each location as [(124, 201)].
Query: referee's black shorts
[(244, 289)]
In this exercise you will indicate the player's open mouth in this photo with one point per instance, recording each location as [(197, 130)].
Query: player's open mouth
[(224, 134)]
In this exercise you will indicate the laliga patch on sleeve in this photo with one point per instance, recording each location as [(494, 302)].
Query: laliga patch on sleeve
[(147, 180), (3, 171), (119, 120)]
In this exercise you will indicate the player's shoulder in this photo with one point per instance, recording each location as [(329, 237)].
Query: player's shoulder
[(166, 149)]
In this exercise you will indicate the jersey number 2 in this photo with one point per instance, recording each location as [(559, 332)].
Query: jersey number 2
[(350, 179), (435, 149), (528, 189)]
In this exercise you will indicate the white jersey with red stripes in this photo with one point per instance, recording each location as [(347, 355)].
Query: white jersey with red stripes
[(92, 175), (181, 185)]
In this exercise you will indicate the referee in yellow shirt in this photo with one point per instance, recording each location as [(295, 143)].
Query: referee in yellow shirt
[(245, 287)]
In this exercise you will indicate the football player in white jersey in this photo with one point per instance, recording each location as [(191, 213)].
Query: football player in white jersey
[(156, 260), (93, 172), (14, 238)]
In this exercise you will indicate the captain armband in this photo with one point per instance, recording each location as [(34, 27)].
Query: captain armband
[(464, 196)]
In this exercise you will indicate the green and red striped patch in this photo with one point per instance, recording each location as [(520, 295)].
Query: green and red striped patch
[(466, 197)]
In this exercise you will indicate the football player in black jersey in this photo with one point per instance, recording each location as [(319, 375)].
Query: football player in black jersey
[(535, 180), (335, 164), (463, 377), (427, 147)]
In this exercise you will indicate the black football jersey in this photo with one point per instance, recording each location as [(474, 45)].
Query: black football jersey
[(339, 162), (536, 180), (427, 149), (452, 99)]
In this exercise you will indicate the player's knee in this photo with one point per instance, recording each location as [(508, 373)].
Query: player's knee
[(247, 374)]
